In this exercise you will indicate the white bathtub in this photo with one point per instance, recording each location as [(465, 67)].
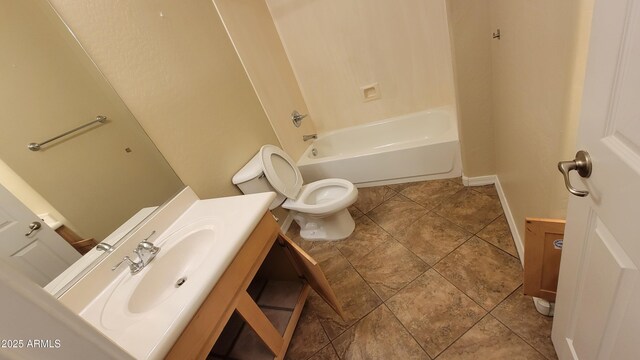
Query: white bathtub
[(413, 147)]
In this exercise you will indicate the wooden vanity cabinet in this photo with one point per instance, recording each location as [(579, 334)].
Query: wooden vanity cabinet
[(230, 295)]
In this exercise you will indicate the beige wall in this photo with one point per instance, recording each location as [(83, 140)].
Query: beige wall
[(28, 195), (175, 67), (49, 86), (470, 31), (259, 47), (335, 47), (538, 70)]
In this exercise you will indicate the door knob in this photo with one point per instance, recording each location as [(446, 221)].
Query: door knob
[(33, 227), (582, 164)]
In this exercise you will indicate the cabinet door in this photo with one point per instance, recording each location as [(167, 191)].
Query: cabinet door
[(311, 271)]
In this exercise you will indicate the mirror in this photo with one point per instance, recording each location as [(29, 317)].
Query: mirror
[(91, 180)]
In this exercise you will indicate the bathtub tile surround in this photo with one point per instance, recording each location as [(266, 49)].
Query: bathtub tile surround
[(446, 282)]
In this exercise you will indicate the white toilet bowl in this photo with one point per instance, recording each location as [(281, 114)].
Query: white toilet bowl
[(320, 208)]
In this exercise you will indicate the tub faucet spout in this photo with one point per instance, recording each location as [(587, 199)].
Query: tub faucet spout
[(309, 137)]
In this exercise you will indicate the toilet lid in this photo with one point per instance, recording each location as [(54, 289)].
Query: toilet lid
[(281, 171)]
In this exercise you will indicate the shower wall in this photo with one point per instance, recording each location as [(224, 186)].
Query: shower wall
[(399, 50)]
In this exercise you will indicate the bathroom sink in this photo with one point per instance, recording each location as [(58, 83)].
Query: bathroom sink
[(171, 269), (175, 275), (145, 313)]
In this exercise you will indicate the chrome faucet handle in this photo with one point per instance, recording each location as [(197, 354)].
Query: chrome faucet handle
[(135, 267), (296, 118), (145, 245)]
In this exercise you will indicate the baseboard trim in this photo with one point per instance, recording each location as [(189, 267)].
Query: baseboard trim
[(517, 239), (479, 180)]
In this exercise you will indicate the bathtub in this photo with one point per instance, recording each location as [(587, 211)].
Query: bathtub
[(413, 147)]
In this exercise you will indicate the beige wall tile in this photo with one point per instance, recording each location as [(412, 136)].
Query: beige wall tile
[(336, 47)]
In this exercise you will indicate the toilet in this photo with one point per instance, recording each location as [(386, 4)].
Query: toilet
[(320, 208)]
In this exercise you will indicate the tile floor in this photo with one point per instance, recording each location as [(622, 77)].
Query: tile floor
[(431, 272)]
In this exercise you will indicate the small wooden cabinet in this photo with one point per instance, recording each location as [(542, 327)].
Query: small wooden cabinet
[(81, 245), (231, 294)]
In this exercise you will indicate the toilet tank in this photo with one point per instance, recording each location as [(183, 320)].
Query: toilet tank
[(251, 179)]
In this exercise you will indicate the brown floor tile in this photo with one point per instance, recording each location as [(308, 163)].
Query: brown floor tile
[(431, 193), (293, 231), (440, 306), (485, 273), (499, 234), (486, 189), (281, 294), (432, 237), (378, 336), (249, 346), (434, 311), (389, 267), (366, 236), (355, 212), (331, 261), (354, 295), (457, 180), (470, 210), (370, 197), (327, 353), (519, 314), (489, 339), (308, 338), (399, 187), (396, 213)]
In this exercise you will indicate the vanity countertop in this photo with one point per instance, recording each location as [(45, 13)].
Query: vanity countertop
[(141, 312)]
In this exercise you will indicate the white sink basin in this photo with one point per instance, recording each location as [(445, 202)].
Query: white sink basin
[(181, 256), (146, 312)]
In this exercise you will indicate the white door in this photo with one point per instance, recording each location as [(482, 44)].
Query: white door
[(598, 302), (43, 254)]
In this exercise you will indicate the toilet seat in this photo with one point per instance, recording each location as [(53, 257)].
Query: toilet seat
[(338, 194), (319, 208), (281, 171)]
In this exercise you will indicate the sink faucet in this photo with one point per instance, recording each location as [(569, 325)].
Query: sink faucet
[(309, 137), (145, 251), (134, 266)]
